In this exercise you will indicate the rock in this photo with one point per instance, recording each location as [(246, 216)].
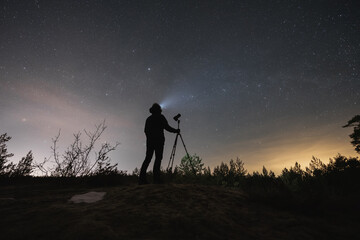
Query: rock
[(89, 197), (7, 199)]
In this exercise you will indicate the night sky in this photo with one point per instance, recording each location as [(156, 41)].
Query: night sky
[(270, 82)]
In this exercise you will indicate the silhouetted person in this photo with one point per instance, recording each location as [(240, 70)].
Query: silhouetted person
[(155, 139)]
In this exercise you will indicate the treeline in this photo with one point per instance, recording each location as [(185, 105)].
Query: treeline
[(339, 178)]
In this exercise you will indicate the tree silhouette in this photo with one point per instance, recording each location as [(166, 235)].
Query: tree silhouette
[(355, 122), (4, 155), (24, 167), (230, 176), (316, 167)]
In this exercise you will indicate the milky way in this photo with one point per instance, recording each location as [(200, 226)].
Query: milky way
[(270, 82)]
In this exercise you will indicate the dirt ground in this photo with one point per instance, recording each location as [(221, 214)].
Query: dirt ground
[(168, 211)]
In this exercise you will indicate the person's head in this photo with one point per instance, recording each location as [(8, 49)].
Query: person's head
[(155, 109)]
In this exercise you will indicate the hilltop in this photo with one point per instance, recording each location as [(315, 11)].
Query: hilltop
[(168, 211)]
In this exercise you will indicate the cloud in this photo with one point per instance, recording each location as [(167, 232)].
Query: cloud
[(46, 106)]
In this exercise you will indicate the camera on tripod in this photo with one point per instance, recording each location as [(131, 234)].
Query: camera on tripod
[(172, 156), (176, 118)]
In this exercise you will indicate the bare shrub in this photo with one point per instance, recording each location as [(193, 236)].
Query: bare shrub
[(76, 160)]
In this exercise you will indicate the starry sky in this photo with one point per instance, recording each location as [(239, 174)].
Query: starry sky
[(270, 82)]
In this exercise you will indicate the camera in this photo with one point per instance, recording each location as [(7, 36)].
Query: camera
[(176, 118)]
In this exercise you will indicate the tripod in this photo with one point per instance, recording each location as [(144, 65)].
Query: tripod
[(172, 156)]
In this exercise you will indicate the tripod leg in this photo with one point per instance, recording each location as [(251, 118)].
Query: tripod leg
[(172, 156), (182, 140)]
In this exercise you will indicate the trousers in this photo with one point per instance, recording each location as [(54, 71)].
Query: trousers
[(151, 147)]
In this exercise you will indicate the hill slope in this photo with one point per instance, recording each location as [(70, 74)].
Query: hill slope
[(169, 211)]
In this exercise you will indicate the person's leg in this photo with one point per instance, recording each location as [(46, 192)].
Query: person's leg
[(149, 153), (159, 148)]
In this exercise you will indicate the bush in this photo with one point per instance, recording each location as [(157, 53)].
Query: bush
[(190, 166)]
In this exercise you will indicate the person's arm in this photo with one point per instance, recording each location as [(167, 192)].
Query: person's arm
[(168, 127)]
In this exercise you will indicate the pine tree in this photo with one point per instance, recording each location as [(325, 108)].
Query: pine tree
[(4, 155), (355, 122)]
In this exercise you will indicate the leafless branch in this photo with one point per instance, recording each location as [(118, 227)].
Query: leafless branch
[(75, 161)]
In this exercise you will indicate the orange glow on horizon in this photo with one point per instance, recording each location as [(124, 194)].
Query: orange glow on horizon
[(278, 152)]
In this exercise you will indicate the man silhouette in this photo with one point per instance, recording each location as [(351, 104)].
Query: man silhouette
[(155, 139)]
